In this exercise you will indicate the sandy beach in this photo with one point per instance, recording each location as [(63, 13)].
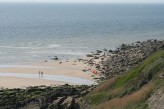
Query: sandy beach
[(70, 68)]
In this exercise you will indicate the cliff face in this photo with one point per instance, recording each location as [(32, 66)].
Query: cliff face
[(156, 101)]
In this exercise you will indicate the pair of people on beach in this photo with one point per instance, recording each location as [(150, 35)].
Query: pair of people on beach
[(40, 74)]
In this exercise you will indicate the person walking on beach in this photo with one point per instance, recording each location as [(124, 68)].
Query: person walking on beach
[(42, 74), (39, 74)]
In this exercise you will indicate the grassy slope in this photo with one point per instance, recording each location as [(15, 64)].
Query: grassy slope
[(131, 89)]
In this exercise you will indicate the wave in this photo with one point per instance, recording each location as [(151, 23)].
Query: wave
[(52, 46), (19, 47), (58, 53), (71, 53), (26, 66), (41, 47), (76, 47)]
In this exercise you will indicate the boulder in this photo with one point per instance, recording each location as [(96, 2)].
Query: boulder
[(53, 106), (105, 49), (96, 57), (161, 76), (96, 54), (55, 58), (59, 100), (110, 51), (98, 51), (89, 55), (68, 103), (42, 103)]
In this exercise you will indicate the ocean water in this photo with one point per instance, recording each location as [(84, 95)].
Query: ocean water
[(38, 32)]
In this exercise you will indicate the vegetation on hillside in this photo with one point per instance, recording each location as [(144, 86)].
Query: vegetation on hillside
[(130, 90)]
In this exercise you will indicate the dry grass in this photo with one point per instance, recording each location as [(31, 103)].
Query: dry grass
[(105, 86), (116, 92), (128, 101)]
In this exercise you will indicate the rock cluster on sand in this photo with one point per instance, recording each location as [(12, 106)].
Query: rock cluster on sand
[(114, 62)]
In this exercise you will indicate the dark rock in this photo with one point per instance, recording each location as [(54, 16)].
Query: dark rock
[(59, 100), (55, 58), (42, 103), (96, 57), (53, 106), (97, 66), (96, 54), (68, 103), (89, 55), (98, 51), (105, 49), (110, 51)]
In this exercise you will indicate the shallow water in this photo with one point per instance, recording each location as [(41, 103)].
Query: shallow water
[(67, 79), (26, 66), (38, 32)]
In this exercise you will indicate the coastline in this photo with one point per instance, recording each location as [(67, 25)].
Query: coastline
[(105, 64), (81, 56), (95, 67), (62, 69)]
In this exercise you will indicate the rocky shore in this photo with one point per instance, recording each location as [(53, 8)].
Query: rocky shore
[(107, 63), (43, 97)]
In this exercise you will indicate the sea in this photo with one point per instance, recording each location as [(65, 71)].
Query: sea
[(34, 32)]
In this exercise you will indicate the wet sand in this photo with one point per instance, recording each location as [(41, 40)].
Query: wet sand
[(71, 68)]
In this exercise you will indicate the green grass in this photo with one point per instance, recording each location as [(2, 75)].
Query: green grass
[(148, 64), (156, 84), (132, 81), (96, 98), (141, 106)]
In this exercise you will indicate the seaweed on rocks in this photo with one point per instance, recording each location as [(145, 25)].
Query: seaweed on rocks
[(61, 97)]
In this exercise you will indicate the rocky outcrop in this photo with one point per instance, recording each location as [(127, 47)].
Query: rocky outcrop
[(54, 97), (126, 56), (161, 76), (156, 101)]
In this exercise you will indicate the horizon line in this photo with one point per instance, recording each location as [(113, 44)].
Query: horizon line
[(82, 2)]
